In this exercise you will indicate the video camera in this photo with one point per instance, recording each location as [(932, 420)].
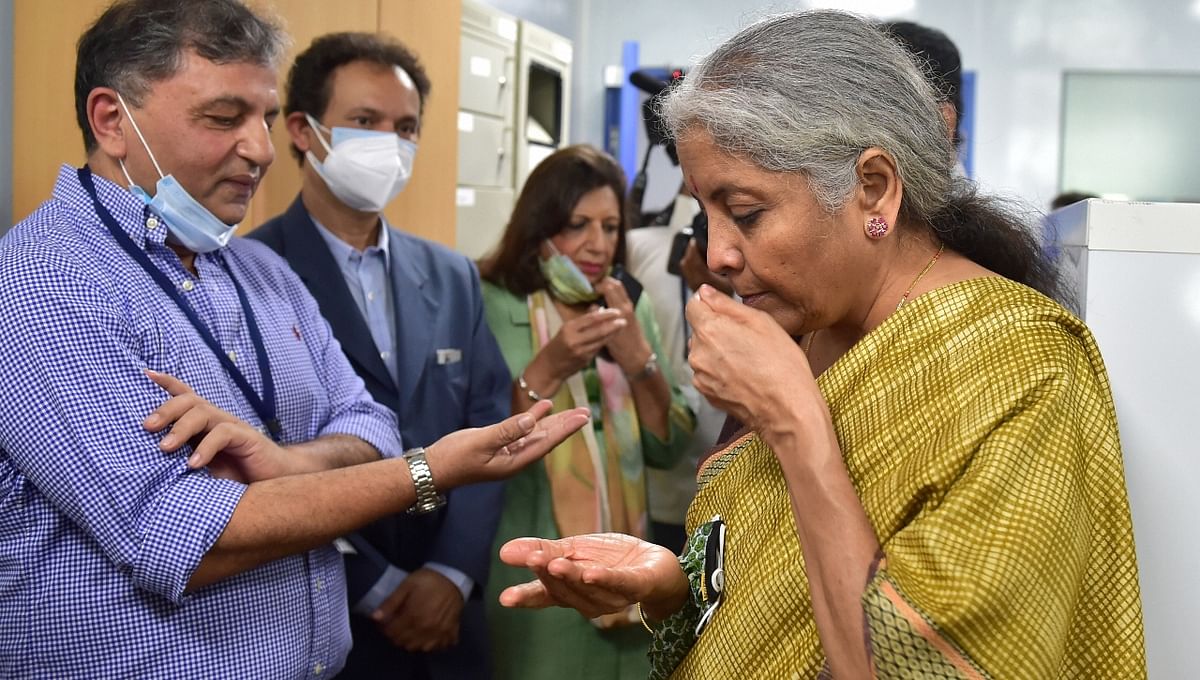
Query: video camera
[(699, 232), (656, 133)]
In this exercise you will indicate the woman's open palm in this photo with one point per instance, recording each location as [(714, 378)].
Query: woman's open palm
[(593, 573)]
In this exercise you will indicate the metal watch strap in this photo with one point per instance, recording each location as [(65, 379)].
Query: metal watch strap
[(428, 498), (648, 370)]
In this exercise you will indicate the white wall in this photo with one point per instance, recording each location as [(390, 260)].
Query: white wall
[(1018, 48)]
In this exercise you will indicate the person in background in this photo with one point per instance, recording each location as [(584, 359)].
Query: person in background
[(669, 285), (930, 482), (127, 550), (408, 313), (1069, 198), (577, 329), (938, 57)]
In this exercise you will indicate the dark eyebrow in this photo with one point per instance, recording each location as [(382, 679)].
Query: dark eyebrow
[(725, 191), (236, 102), (375, 113), (229, 100)]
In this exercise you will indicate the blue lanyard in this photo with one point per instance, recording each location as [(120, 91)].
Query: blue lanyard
[(264, 406)]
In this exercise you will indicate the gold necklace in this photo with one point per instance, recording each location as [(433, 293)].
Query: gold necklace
[(941, 248)]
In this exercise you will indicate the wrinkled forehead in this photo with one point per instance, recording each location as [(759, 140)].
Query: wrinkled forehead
[(248, 85)]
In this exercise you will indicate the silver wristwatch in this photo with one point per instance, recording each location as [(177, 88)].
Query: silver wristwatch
[(648, 370), (428, 498)]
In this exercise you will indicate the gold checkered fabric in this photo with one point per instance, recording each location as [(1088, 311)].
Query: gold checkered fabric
[(978, 427)]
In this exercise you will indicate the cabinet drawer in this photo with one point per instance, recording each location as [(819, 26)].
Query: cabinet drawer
[(481, 218), (485, 78), (485, 156)]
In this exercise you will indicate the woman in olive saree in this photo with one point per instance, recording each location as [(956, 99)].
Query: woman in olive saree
[(930, 482), (978, 430)]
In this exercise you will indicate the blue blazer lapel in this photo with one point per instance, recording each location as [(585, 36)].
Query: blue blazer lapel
[(310, 258), (416, 314)]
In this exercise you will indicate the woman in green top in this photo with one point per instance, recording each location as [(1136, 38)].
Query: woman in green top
[(574, 328)]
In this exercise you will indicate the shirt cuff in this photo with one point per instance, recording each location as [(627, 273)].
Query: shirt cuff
[(378, 428), (463, 582), (387, 584), (177, 536)]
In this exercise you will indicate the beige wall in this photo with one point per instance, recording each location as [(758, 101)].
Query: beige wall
[(45, 134), (432, 29)]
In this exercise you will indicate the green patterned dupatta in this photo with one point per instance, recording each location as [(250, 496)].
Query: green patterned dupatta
[(595, 489)]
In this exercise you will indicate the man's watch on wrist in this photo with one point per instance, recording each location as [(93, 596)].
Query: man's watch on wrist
[(428, 498)]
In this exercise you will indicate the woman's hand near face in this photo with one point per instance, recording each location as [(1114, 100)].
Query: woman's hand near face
[(572, 349), (745, 363), (627, 345)]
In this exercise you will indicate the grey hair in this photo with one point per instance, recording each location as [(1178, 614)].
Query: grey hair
[(135, 43), (807, 93)]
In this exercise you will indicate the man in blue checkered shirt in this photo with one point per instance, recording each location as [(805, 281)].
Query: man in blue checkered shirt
[(147, 537)]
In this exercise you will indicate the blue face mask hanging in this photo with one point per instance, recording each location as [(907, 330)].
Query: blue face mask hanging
[(189, 223)]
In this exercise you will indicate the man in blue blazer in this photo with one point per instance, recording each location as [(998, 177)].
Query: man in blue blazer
[(409, 316)]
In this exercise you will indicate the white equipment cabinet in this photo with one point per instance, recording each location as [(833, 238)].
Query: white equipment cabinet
[(514, 84), (1136, 271), (543, 107)]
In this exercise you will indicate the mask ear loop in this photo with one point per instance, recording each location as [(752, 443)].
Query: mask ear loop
[(312, 122), (143, 140)]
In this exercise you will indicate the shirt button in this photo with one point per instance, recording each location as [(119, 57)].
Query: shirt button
[(188, 285), (370, 297), (152, 223), (232, 355), (319, 668), (384, 355), (319, 584)]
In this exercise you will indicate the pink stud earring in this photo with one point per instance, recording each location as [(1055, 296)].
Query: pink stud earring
[(877, 227)]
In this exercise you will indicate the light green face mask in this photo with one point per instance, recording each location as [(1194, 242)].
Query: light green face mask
[(564, 279)]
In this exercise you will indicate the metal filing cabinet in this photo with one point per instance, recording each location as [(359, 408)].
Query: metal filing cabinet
[(485, 127), (514, 90)]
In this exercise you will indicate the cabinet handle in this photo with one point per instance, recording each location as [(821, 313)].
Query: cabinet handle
[(503, 81), (500, 152)]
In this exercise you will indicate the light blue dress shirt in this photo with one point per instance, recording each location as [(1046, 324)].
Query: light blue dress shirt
[(368, 276)]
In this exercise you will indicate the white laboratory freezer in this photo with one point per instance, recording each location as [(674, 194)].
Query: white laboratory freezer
[(1135, 268)]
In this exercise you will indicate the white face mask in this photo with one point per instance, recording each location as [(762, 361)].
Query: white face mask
[(365, 169)]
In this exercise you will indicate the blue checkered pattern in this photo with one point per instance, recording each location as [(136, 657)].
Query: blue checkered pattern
[(99, 530)]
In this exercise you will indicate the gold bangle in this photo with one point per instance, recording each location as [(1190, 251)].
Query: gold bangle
[(642, 616)]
